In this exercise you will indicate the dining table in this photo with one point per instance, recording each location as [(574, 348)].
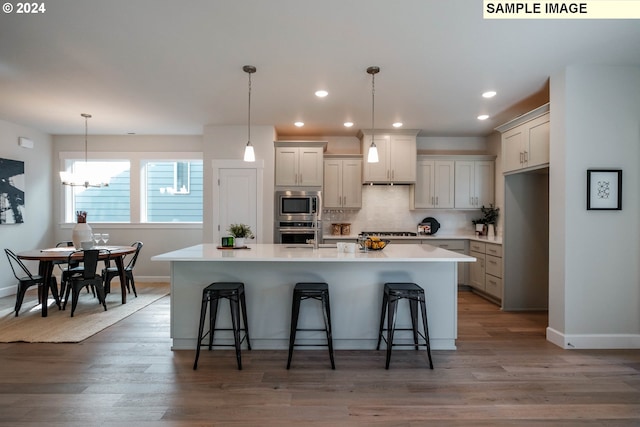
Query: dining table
[(48, 257)]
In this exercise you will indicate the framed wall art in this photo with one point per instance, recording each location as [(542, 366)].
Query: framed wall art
[(11, 191), (604, 189)]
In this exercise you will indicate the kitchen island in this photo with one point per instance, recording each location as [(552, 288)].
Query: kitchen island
[(355, 280)]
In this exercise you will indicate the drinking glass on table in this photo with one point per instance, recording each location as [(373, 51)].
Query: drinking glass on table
[(97, 237), (105, 238)]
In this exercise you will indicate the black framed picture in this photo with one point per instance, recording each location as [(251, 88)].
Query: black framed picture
[(11, 191), (604, 189)]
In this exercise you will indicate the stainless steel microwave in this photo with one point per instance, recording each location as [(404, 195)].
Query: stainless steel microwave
[(298, 205)]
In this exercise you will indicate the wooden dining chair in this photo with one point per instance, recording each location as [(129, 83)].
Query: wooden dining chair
[(111, 272), (87, 277), (26, 279)]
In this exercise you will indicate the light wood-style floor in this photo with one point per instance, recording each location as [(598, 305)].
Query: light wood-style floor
[(503, 373)]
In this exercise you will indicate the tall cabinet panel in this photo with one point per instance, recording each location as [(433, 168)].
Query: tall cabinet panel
[(525, 141), (474, 184), (299, 163), (397, 152), (342, 186)]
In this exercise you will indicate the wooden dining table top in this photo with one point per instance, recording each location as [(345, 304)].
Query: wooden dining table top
[(62, 253)]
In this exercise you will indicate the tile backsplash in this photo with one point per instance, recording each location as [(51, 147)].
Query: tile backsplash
[(386, 208)]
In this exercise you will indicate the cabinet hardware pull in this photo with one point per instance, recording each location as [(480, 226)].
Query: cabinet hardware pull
[(437, 203), (432, 202), (493, 262), (526, 156)]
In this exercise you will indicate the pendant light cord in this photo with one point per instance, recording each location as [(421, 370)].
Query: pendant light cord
[(249, 113), (373, 104)]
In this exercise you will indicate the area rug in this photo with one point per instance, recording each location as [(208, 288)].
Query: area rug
[(88, 319)]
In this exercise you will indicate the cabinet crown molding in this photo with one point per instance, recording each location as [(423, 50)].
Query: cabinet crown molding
[(412, 132), (322, 144), (543, 109), (456, 157)]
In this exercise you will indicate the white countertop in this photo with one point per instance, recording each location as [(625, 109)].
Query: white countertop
[(285, 253), (439, 236)]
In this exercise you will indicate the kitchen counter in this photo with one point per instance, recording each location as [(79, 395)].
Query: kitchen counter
[(439, 236), (356, 280)]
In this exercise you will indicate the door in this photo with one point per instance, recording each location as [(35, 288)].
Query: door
[(238, 201), (444, 178)]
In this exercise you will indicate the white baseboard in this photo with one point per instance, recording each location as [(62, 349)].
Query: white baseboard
[(593, 341)]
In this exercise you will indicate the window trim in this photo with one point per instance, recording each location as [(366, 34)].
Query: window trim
[(136, 193)]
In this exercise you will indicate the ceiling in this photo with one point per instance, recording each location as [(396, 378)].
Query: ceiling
[(167, 67)]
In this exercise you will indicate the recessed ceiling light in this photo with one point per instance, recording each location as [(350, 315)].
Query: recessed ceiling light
[(321, 93), (489, 94), (397, 125), (483, 117), (348, 124), (299, 124)]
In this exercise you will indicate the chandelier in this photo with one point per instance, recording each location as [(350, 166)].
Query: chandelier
[(83, 178)]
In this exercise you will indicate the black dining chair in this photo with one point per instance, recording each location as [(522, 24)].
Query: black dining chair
[(26, 279), (62, 265), (111, 272), (87, 277)]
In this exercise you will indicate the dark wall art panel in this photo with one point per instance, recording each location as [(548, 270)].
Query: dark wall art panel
[(11, 191)]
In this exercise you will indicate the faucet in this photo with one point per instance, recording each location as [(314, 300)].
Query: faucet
[(316, 224)]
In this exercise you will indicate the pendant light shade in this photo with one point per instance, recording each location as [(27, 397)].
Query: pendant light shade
[(83, 176), (372, 156), (249, 153)]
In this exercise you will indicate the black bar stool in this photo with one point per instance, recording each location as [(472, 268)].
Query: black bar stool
[(393, 292), (319, 292), (234, 292)]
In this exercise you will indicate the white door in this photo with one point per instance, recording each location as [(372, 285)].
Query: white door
[(238, 200)]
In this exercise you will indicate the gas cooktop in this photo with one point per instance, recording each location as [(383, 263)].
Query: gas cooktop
[(389, 233)]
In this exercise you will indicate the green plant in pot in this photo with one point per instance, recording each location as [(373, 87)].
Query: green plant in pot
[(488, 220), (240, 232)]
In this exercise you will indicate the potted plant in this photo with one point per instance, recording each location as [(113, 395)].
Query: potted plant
[(240, 232), (479, 225), (490, 217)]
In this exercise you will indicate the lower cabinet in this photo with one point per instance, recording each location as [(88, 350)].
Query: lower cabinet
[(486, 274), (454, 246)]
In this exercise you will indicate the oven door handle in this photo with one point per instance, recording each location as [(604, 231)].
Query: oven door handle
[(296, 230)]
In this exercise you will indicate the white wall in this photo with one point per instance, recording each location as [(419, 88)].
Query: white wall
[(36, 229), (594, 269), (227, 143)]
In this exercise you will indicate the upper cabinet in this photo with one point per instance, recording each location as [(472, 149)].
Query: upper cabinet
[(342, 187), (299, 164), (474, 183), (397, 153), (525, 141), (434, 184)]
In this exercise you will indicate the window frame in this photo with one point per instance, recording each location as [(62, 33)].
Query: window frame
[(136, 192)]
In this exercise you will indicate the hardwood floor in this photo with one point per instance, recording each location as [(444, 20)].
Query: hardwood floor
[(503, 373)]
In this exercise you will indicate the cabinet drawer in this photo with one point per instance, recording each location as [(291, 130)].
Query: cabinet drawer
[(477, 247), (495, 250), (494, 266), (493, 286), (451, 245)]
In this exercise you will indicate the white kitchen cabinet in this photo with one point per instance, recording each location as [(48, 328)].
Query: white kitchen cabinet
[(458, 246), (485, 275), (477, 271), (434, 186), (397, 154), (299, 166), (525, 141), (342, 186), (474, 183)]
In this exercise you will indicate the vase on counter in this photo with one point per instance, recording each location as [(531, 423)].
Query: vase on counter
[(491, 231), (239, 242), (82, 231)]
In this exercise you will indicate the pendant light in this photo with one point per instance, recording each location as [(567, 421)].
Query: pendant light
[(372, 156), (249, 154), (85, 178)]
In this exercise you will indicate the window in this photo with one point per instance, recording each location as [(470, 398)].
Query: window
[(172, 191), (105, 204)]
